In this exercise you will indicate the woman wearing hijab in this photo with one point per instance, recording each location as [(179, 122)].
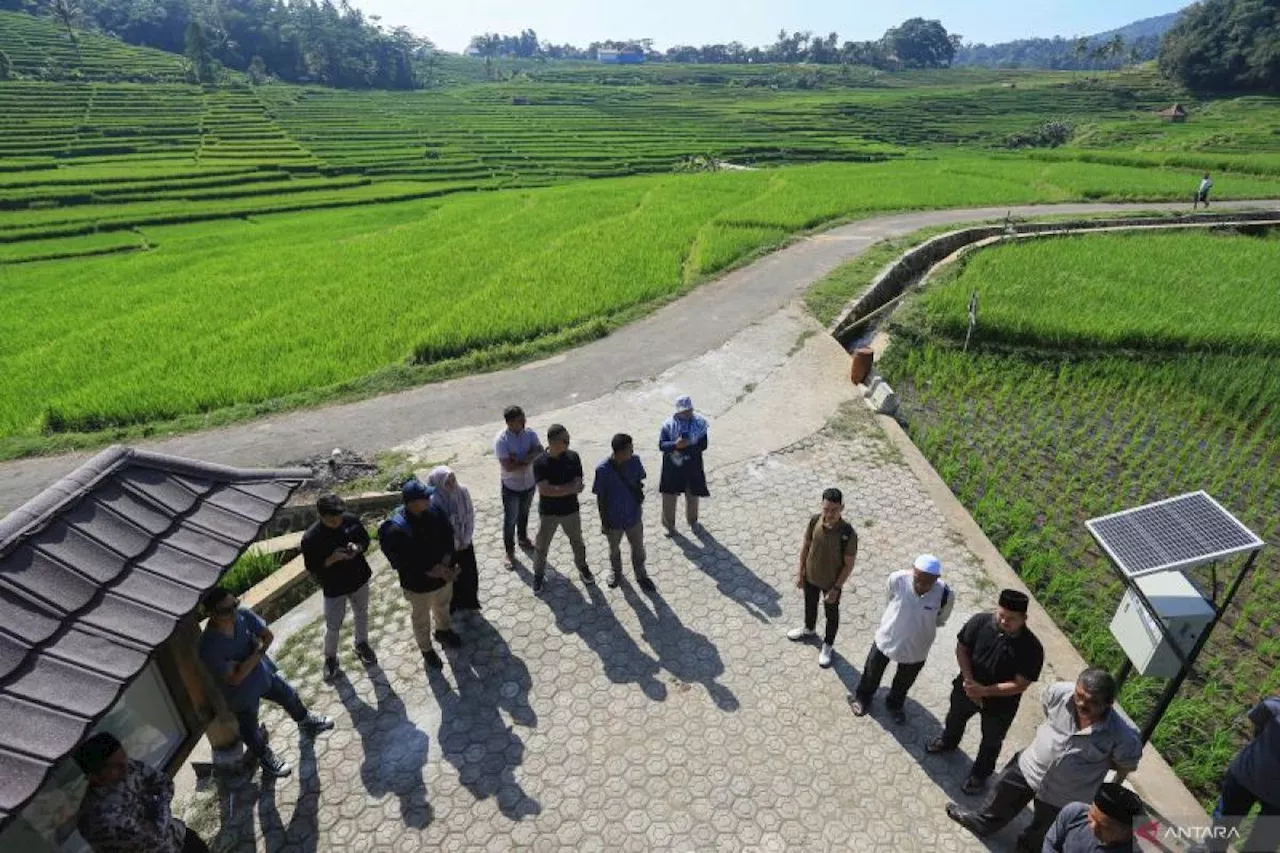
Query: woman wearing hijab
[(455, 501), (682, 441)]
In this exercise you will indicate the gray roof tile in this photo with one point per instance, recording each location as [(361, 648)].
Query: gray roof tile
[(94, 574)]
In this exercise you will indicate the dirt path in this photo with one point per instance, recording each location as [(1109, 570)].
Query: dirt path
[(701, 321)]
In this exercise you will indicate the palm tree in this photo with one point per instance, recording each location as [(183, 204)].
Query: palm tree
[(68, 14)]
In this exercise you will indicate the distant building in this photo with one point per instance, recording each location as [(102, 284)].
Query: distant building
[(1175, 113), (630, 55)]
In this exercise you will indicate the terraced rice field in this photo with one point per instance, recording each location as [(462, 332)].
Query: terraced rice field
[(1107, 372)]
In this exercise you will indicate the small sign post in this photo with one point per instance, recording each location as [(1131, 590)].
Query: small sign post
[(973, 319)]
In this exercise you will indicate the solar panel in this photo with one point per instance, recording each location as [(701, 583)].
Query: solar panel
[(1172, 534)]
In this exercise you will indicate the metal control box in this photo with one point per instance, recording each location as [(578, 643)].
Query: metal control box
[(1180, 605)]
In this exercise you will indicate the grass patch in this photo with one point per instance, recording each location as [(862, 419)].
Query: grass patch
[(250, 568)]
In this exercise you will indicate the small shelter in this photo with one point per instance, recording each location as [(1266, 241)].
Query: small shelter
[(100, 576), (1176, 113)]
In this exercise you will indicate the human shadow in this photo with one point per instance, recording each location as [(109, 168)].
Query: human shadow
[(395, 750), (947, 770), (689, 656), (473, 736), (592, 619), (733, 578), (303, 830)]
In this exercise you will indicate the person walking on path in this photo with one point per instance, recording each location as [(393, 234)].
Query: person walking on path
[(1253, 777), (333, 550), (418, 542), (619, 491), (826, 561), (454, 501), (234, 648), (920, 603), (999, 659), (1202, 193), (558, 474), (1103, 826), (516, 447), (683, 440), (1082, 737), (129, 804)]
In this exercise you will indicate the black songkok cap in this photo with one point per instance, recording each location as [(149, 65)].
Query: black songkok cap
[(1118, 802), (1012, 599), (93, 753)]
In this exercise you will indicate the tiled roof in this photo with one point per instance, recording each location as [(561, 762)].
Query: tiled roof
[(95, 572)]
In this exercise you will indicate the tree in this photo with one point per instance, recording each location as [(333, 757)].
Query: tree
[(68, 13), (918, 43), (1225, 46), (258, 73), (198, 54), (6, 66)]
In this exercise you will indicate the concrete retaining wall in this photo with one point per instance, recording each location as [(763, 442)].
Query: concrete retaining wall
[(895, 278)]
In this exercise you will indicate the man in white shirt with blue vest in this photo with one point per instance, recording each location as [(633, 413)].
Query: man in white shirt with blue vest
[(919, 604)]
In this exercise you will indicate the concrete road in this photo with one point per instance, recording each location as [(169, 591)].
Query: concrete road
[(701, 321)]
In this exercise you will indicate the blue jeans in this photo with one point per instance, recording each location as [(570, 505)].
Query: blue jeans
[(515, 515), (283, 694)]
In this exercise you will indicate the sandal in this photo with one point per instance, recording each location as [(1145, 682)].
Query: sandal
[(937, 745)]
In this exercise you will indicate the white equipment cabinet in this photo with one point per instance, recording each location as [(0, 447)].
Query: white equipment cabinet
[(1179, 604)]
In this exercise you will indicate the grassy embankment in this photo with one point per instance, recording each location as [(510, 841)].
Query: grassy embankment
[(1109, 371)]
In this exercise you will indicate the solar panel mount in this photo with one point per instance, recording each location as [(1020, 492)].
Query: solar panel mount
[(1172, 535)]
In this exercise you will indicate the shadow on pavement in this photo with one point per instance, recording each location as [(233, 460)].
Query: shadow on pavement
[(687, 655), (733, 578), (241, 794), (592, 619), (395, 750), (473, 736)]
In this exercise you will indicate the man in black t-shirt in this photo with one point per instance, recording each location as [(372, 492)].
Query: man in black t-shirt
[(333, 551), (559, 478), (999, 659)]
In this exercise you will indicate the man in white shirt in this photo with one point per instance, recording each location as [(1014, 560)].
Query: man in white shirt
[(515, 448), (1202, 194), (919, 603)]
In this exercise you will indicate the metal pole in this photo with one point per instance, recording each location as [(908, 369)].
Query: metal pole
[(1126, 669), (1171, 690)]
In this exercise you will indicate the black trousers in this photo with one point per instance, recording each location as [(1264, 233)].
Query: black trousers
[(1009, 797), (873, 672), (811, 596), (192, 843), (466, 586), (995, 725)]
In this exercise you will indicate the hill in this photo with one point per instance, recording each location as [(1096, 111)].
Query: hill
[(1154, 27), (38, 49), (1140, 40)]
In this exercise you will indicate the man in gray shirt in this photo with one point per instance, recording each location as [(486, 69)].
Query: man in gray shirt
[(1253, 777), (1103, 826), (1082, 737)]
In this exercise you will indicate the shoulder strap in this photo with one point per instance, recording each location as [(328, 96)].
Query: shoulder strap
[(846, 534), (946, 593), (813, 522)]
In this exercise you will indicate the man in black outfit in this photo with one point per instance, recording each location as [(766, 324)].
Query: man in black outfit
[(333, 550), (999, 658), (558, 475), (418, 542)]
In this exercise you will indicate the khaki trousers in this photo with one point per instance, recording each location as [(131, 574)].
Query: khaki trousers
[(635, 538), (669, 509), (426, 607), (547, 526)]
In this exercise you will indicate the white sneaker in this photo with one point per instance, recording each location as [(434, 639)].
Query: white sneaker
[(795, 635), (824, 656)]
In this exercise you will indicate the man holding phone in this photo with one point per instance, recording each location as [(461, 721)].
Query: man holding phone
[(333, 550)]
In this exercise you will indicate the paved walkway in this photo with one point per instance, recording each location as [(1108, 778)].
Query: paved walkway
[(596, 719), (688, 327)]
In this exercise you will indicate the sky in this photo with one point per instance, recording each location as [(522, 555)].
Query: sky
[(753, 22)]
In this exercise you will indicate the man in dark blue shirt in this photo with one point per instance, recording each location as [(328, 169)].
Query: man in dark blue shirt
[(1253, 777), (619, 491), (1103, 826), (234, 649)]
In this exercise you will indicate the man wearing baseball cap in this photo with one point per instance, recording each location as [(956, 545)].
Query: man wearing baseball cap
[(1103, 826), (919, 603)]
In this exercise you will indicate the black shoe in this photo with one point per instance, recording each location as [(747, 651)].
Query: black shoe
[(973, 785), (858, 707), (587, 578), (964, 817), (314, 724), (449, 638), (274, 766), (898, 715), (539, 582), (365, 653), (615, 578), (433, 659), (527, 544), (646, 583), (331, 669), (937, 746)]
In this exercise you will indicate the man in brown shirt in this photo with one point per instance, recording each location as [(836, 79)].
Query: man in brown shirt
[(826, 561)]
